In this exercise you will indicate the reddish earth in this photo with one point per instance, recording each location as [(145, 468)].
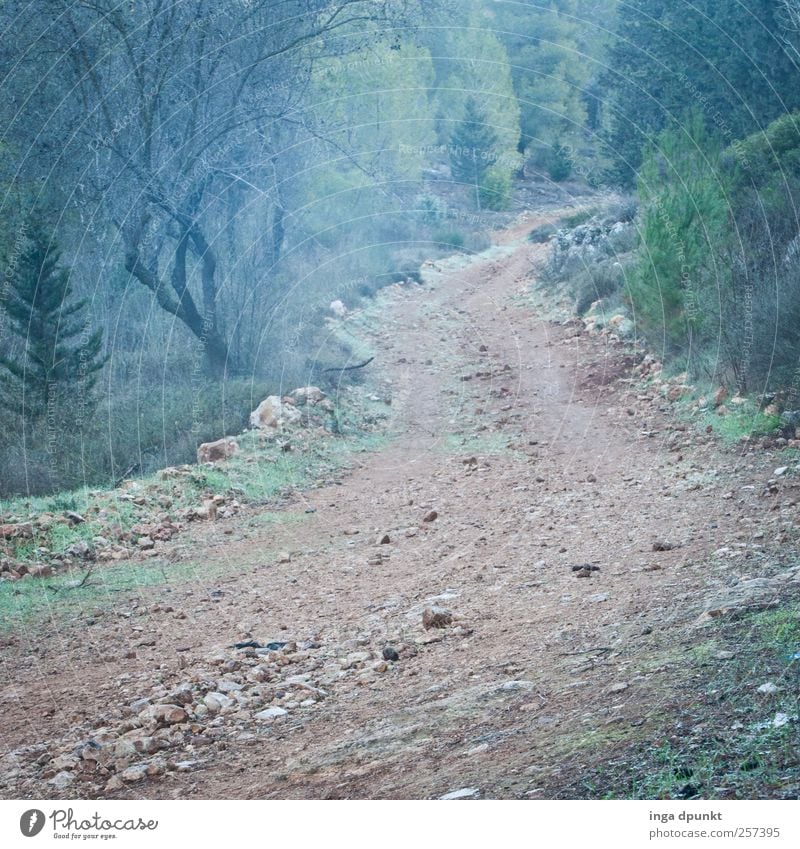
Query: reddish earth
[(541, 675)]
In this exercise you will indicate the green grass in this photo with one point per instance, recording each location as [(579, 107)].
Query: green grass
[(468, 444), (26, 603), (720, 741)]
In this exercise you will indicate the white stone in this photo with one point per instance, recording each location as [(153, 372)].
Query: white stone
[(271, 713)]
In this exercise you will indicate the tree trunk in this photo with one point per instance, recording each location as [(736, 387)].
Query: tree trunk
[(181, 304)]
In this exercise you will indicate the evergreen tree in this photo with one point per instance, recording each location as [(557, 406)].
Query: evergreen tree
[(54, 356), (472, 147), (724, 57)]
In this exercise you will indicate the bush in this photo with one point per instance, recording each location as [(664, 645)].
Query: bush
[(495, 192), (449, 239), (431, 208), (559, 163), (599, 281), (684, 226)]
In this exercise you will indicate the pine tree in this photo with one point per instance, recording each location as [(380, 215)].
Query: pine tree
[(472, 147), (724, 57), (55, 356)]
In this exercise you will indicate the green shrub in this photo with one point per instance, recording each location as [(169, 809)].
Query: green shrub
[(495, 191), (449, 239), (684, 225), (559, 163), (599, 281)]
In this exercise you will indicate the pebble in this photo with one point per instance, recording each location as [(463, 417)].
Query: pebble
[(436, 617), (271, 713), (61, 780), (134, 773), (463, 793), (768, 689)]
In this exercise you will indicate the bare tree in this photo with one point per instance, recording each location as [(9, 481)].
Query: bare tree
[(159, 109)]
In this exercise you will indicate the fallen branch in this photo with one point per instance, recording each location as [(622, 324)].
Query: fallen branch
[(349, 368), (601, 650), (73, 585)]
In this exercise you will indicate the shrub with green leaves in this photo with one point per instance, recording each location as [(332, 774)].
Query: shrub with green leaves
[(684, 226)]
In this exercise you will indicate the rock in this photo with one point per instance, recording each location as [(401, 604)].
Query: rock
[(618, 688), (212, 452), (385, 539), (430, 516), (675, 393), (284, 557), (271, 713), (134, 773), (768, 689), (436, 617), (356, 658), (338, 309), (181, 696), (17, 531), (113, 784), (517, 685), (156, 767), (206, 513), (781, 471), (390, 653), (463, 793), (215, 702), (145, 543), (273, 413), (80, 549), (168, 714), (590, 478), (780, 720), (62, 780), (307, 395), (63, 762)]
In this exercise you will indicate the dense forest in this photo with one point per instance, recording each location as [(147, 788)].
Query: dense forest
[(187, 185)]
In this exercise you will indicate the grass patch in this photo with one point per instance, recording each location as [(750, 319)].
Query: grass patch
[(725, 739), (25, 603)]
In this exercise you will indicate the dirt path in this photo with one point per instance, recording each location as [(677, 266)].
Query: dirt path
[(536, 457)]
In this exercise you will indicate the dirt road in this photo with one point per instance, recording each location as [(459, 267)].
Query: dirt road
[(537, 455)]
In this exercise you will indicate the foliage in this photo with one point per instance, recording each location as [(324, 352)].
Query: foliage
[(495, 190), (684, 222), (723, 57), (57, 358)]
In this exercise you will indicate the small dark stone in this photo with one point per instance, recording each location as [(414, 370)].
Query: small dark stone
[(688, 791), (390, 653)]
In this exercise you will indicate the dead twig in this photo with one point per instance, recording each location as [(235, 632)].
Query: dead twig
[(349, 368)]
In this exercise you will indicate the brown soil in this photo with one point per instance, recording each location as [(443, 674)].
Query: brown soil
[(541, 675)]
